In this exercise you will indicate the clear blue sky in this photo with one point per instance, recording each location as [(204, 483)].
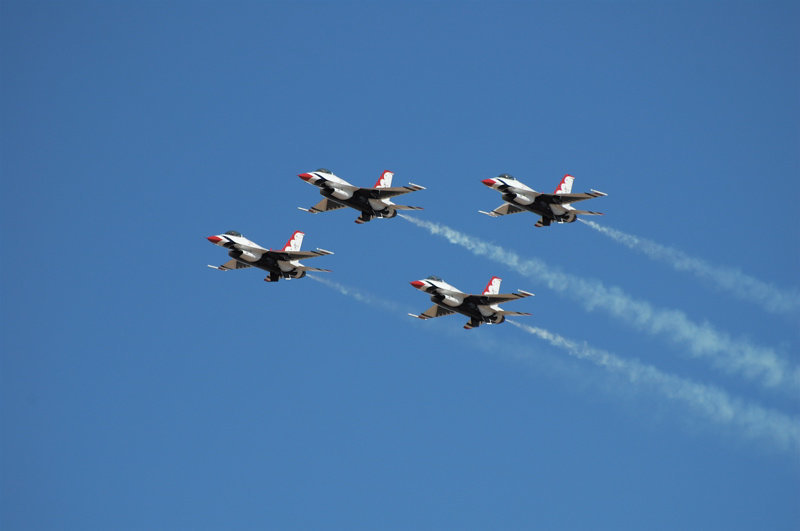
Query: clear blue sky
[(141, 390)]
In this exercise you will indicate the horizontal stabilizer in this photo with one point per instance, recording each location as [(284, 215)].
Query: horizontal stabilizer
[(313, 269)]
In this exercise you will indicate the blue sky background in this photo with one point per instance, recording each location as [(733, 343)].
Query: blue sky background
[(140, 389)]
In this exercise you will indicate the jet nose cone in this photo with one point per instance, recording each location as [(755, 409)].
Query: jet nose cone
[(417, 284), (305, 176), (488, 182), (214, 239)]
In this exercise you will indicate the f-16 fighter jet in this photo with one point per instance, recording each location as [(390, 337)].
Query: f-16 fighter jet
[(371, 202), (280, 264), (483, 308), (551, 207)]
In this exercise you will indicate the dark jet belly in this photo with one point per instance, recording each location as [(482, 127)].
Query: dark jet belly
[(265, 262)]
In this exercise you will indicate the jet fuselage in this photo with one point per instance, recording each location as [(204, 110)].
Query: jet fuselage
[(540, 205), (361, 201), (469, 309), (263, 261)]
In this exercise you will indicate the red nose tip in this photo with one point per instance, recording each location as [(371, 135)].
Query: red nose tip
[(488, 182), (305, 176), (214, 239), (417, 283)]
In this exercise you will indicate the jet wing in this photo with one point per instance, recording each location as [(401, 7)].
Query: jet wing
[(385, 193), (503, 210), (231, 264), (433, 311), (498, 298), (563, 199), (297, 255), (252, 248), (323, 206)]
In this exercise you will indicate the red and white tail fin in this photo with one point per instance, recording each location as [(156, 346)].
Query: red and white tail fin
[(385, 180), (493, 287), (294, 242), (565, 186)]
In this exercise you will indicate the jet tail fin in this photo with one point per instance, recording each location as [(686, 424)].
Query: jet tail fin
[(493, 287), (294, 242), (565, 186), (385, 180)]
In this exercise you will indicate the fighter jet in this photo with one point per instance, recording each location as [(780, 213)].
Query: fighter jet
[(280, 264), (371, 202), (551, 207), (483, 308)]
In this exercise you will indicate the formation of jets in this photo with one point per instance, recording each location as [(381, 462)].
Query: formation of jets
[(376, 202)]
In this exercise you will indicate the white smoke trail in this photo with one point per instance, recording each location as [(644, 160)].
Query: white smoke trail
[(752, 420), (710, 402), (738, 356), (358, 295), (739, 284)]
